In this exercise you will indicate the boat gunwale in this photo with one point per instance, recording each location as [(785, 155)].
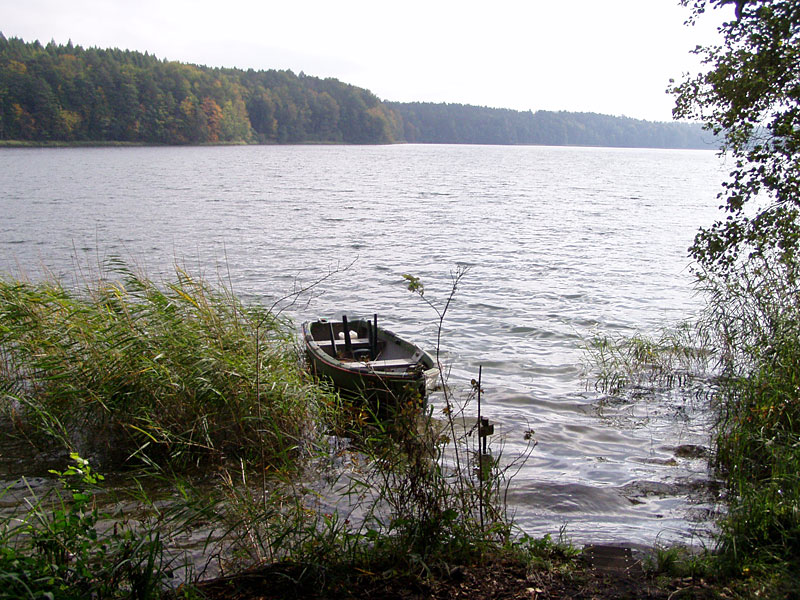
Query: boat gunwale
[(316, 349)]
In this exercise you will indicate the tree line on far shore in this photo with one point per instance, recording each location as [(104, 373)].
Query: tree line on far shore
[(460, 124), (65, 93)]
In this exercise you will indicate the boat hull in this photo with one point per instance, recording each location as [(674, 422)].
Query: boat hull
[(379, 366)]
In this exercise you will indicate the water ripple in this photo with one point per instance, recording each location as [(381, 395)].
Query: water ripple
[(561, 242)]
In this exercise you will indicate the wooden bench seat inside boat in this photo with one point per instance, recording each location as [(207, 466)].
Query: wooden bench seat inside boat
[(356, 343), (384, 365)]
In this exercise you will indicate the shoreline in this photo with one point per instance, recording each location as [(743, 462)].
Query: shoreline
[(13, 144)]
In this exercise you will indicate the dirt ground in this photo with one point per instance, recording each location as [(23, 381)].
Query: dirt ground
[(503, 580)]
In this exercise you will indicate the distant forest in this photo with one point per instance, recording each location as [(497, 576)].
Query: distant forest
[(459, 124), (65, 93)]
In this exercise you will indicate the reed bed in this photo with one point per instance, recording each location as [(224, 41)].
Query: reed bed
[(743, 353), (171, 377), (127, 370), (754, 313), (675, 357)]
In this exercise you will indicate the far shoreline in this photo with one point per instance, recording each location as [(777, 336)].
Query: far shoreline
[(13, 144)]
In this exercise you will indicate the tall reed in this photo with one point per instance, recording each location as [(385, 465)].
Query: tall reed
[(680, 356), (747, 343), (754, 313), (127, 369), (184, 373)]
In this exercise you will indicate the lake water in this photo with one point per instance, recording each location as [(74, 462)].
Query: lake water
[(561, 242)]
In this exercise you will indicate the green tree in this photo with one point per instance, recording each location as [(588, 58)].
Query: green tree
[(261, 108), (749, 95), (235, 122)]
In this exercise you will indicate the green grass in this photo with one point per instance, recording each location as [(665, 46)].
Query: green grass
[(127, 370), (756, 314)]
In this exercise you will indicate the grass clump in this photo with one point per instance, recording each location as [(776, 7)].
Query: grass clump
[(744, 354), (749, 337), (677, 357), (755, 312), (181, 373)]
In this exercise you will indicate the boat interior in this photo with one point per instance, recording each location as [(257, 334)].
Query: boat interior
[(361, 341)]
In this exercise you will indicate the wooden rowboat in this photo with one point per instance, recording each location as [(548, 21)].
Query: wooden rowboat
[(361, 358)]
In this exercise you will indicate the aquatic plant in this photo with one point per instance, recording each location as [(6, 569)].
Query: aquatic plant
[(182, 374), (743, 353), (127, 370), (680, 356)]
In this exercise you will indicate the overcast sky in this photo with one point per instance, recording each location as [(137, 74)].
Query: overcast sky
[(613, 57)]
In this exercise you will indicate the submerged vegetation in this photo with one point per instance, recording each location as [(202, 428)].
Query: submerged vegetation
[(743, 356), (678, 357)]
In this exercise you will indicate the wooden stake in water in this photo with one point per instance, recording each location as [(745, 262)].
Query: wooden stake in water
[(480, 453), (485, 429)]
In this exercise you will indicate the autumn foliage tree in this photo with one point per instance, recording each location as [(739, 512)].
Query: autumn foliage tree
[(62, 92), (68, 93)]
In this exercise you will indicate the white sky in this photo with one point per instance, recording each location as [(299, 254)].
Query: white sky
[(613, 57)]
